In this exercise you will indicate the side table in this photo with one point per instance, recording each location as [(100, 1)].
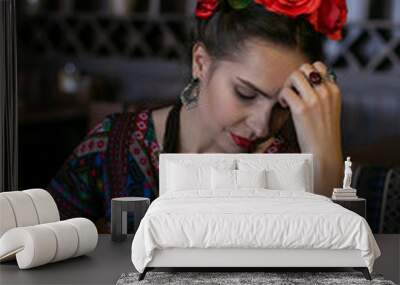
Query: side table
[(119, 213), (357, 205)]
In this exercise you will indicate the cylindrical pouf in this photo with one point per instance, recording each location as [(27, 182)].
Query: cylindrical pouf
[(87, 235), (7, 218), (67, 239), (119, 208), (23, 208), (45, 205), (33, 246)]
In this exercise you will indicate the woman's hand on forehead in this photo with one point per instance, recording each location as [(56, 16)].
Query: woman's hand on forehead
[(315, 109)]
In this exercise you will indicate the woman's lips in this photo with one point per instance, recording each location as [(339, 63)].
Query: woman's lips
[(241, 141)]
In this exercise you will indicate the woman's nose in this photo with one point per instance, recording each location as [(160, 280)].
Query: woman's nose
[(259, 124), (260, 132)]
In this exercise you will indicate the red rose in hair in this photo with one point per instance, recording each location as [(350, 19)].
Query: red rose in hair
[(291, 8), (330, 18), (205, 8)]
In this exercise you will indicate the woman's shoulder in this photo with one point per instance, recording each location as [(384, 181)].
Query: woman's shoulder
[(134, 119), (116, 128)]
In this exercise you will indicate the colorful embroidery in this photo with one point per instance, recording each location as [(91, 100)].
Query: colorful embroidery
[(115, 159)]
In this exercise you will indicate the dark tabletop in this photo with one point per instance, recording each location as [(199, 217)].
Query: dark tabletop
[(104, 265), (110, 259)]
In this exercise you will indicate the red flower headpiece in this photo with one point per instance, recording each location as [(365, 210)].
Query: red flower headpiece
[(205, 8), (325, 16)]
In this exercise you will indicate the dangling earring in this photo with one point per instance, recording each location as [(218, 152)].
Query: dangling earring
[(188, 98)]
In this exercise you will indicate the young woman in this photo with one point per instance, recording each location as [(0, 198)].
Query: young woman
[(258, 85)]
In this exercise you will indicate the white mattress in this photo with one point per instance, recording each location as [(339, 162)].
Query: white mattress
[(252, 218)]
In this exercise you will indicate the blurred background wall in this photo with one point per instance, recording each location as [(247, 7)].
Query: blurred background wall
[(82, 60)]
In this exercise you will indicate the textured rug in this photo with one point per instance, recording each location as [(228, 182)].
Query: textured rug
[(231, 278)]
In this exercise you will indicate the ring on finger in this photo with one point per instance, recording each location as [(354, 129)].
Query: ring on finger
[(315, 78)]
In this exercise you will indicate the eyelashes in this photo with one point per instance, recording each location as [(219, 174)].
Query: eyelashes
[(244, 97)]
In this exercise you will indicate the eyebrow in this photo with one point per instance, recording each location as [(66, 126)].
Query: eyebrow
[(255, 88)]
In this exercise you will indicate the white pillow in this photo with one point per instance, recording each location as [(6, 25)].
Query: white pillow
[(187, 174), (181, 178), (220, 163), (223, 179), (290, 179), (282, 174), (251, 178), (229, 179)]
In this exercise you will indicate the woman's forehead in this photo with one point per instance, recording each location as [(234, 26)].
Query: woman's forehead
[(265, 65)]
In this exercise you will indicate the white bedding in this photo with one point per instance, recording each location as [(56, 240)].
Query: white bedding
[(251, 218)]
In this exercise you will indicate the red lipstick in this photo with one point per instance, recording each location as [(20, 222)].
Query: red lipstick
[(241, 141)]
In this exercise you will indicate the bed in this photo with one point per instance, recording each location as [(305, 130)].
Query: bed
[(247, 211)]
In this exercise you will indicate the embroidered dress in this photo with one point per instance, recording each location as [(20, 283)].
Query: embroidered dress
[(117, 158)]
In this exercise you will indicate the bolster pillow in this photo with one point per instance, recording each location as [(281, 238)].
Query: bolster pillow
[(51, 242)]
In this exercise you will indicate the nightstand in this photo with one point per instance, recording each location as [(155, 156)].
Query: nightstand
[(357, 205), (119, 211)]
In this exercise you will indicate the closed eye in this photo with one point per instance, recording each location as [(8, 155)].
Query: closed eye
[(244, 97)]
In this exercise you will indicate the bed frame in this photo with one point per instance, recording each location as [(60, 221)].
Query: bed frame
[(248, 259)]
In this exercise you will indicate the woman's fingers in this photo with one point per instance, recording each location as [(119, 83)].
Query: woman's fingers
[(292, 99), (299, 93), (323, 89), (299, 79), (294, 83), (331, 86), (321, 68)]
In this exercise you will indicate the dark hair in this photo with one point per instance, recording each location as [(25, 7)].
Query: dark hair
[(225, 33)]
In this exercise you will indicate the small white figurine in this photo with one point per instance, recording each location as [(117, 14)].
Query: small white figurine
[(345, 193), (347, 174)]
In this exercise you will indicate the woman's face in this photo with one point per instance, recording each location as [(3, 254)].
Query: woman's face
[(238, 95)]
